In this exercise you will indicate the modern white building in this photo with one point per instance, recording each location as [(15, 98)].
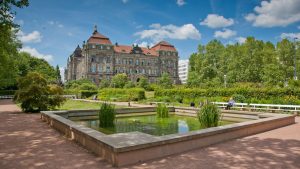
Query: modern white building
[(183, 70)]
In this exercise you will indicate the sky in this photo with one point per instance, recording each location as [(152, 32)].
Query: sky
[(52, 29)]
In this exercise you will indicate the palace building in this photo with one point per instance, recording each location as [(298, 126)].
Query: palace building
[(100, 59)]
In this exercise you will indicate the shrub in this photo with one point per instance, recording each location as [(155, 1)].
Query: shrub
[(36, 95), (143, 83), (87, 93), (116, 94), (239, 98), (119, 80), (162, 111), (107, 115), (81, 84), (104, 83), (165, 81), (209, 116), (129, 84), (257, 93)]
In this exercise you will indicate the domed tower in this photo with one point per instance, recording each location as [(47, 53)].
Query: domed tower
[(98, 57)]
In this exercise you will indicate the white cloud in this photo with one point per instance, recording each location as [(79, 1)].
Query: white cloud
[(159, 32), (36, 53), (275, 13), (125, 1), (180, 2), (33, 37), (55, 23), (290, 35), (217, 21), (225, 34), (144, 44), (241, 39)]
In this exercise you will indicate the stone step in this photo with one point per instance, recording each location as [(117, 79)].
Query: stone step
[(244, 116)]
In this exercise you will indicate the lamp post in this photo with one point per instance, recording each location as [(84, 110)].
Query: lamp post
[(225, 81), (295, 59)]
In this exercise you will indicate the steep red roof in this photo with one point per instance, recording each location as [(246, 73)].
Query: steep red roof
[(163, 45), (128, 49), (98, 38)]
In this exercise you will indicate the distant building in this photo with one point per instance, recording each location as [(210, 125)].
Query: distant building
[(100, 59), (183, 70)]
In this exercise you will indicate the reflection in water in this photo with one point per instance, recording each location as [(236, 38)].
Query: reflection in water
[(147, 124)]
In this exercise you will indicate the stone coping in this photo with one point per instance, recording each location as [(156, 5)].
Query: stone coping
[(122, 142)]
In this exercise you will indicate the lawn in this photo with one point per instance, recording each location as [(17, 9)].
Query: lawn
[(77, 105)]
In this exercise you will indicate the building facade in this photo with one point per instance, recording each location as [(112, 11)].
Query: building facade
[(183, 70), (99, 59)]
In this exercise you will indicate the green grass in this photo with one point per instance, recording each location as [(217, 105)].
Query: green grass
[(77, 105)]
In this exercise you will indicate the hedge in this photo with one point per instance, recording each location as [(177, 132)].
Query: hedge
[(257, 93), (117, 94), (80, 93), (7, 92)]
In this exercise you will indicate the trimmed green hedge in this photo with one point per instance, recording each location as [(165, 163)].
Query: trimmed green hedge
[(80, 93), (7, 92), (117, 94), (249, 95)]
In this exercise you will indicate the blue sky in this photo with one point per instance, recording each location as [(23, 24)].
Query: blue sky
[(52, 29)]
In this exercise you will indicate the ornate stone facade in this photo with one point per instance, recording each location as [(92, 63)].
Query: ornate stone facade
[(99, 59)]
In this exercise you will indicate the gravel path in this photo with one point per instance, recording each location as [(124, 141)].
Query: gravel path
[(28, 143)]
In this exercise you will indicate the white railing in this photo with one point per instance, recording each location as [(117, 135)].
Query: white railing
[(7, 97), (263, 107)]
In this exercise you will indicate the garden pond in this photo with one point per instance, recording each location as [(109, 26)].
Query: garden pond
[(149, 124)]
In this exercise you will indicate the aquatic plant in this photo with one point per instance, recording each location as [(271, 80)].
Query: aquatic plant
[(107, 115), (162, 111), (209, 116)]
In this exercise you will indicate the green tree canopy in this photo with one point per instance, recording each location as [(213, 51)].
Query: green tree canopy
[(36, 95), (119, 80), (165, 81)]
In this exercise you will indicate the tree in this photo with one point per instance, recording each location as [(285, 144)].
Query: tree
[(81, 84), (129, 84), (143, 83), (36, 95), (104, 83), (58, 76), (285, 51), (27, 63), (119, 80), (9, 44), (6, 13), (165, 81)]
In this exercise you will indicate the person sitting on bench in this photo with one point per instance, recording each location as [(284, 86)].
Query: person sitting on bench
[(231, 102)]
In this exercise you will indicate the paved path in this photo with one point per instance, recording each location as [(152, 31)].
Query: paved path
[(27, 142)]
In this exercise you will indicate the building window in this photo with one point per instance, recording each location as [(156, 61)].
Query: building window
[(137, 62), (107, 69), (99, 68), (93, 68), (143, 62), (130, 61)]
